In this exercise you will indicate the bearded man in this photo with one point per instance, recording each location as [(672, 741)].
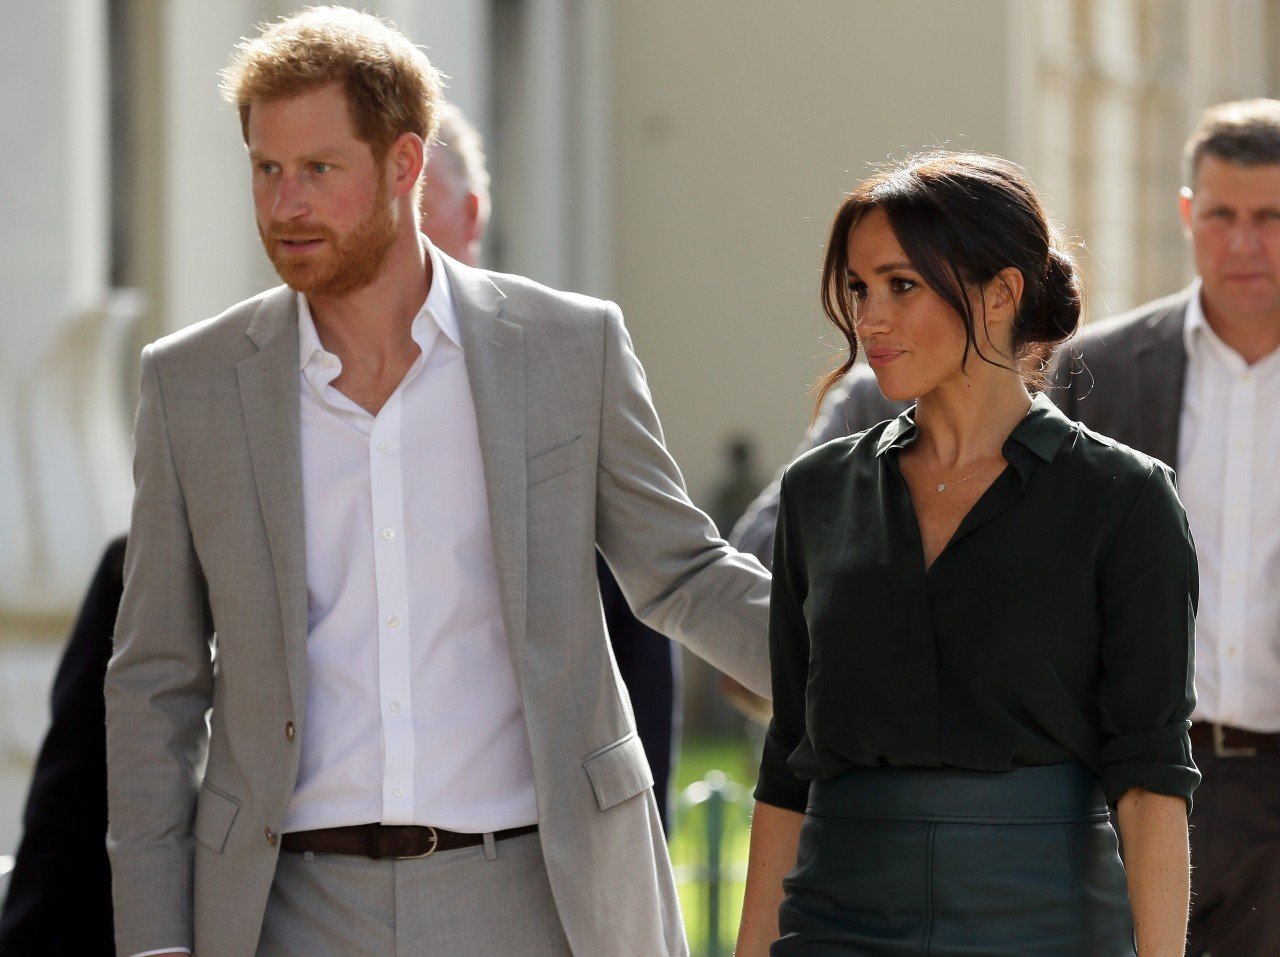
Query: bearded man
[(361, 701)]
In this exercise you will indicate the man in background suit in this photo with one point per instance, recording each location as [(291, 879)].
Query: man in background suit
[(455, 212), (382, 490), (1194, 380)]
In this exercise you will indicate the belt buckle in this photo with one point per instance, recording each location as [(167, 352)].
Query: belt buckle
[(1220, 748), (435, 842)]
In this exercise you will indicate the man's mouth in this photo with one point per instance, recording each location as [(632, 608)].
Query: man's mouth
[(300, 245)]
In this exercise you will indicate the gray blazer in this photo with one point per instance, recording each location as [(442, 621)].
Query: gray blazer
[(1122, 377), (574, 458)]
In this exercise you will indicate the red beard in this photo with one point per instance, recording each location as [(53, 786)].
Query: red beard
[(343, 264)]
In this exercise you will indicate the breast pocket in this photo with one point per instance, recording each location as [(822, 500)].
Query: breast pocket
[(555, 461)]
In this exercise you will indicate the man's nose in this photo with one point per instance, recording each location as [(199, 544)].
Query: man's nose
[(289, 202), (1245, 238)]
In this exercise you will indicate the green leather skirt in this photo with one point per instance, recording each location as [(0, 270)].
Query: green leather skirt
[(895, 862)]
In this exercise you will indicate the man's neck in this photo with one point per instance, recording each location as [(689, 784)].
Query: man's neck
[(1253, 338), (375, 322)]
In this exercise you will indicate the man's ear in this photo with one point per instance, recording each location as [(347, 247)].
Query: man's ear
[(405, 160), (475, 228), (1184, 208)]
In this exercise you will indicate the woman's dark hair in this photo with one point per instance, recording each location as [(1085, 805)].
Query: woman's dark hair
[(961, 218)]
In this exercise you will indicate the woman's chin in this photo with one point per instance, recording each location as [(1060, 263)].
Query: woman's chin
[(893, 388)]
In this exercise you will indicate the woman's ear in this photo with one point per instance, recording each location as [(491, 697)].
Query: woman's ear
[(1002, 294)]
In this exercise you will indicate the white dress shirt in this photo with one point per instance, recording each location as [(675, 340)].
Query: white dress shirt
[(1228, 455), (412, 712)]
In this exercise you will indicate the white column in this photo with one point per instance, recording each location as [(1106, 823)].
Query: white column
[(213, 258), (532, 192), (456, 35), (594, 217), (64, 485)]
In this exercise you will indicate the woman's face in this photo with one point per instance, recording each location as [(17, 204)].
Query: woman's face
[(912, 339)]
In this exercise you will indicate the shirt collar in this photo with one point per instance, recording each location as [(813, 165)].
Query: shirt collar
[(1201, 341), (438, 307), (1195, 324), (1041, 432)]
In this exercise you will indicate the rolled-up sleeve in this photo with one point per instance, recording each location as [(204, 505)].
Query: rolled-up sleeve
[(789, 662), (1148, 588)]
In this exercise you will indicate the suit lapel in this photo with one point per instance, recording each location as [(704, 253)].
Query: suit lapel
[(270, 401), (1160, 367), (495, 358)]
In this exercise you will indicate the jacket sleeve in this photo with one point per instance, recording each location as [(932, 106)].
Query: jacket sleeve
[(677, 574), (159, 687)]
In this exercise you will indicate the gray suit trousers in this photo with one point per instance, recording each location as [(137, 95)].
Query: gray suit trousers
[(462, 903)]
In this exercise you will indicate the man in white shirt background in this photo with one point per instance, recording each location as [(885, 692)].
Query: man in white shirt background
[(1194, 379), (382, 490)]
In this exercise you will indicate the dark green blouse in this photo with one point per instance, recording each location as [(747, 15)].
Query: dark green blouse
[(1057, 625)]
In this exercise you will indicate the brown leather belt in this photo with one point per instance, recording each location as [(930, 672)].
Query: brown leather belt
[(391, 841), (1228, 742)]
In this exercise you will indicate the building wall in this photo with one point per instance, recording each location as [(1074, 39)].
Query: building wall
[(736, 136)]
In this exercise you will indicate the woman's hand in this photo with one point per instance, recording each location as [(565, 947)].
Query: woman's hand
[(1153, 831), (774, 835)]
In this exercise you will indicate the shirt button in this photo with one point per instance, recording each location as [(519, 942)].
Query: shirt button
[(388, 533), (395, 707), (1231, 652), (397, 791), (384, 446), (393, 622), (290, 732), (271, 836)]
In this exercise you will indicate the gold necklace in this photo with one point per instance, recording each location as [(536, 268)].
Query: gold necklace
[(943, 486)]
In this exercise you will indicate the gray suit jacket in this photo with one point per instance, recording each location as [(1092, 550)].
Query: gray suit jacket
[(573, 457), (1122, 377)]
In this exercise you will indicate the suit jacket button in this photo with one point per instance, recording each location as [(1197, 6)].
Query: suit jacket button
[(289, 731), (272, 839)]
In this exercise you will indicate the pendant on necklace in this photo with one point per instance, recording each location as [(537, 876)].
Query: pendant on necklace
[(942, 488)]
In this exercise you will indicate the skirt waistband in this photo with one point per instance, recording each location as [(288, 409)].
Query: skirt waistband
[(1052, 794)]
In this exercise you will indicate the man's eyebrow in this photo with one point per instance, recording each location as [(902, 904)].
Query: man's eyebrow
[(324, 152)]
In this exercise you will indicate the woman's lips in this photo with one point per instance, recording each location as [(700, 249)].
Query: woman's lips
[(882, 357)]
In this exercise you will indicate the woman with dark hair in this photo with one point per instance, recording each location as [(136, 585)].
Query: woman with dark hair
[(982, 619)]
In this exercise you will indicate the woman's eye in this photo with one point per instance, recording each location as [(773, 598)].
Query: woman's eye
[(899, 285), (858, 289)]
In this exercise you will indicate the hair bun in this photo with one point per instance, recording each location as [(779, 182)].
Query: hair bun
[(1055, 315)]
